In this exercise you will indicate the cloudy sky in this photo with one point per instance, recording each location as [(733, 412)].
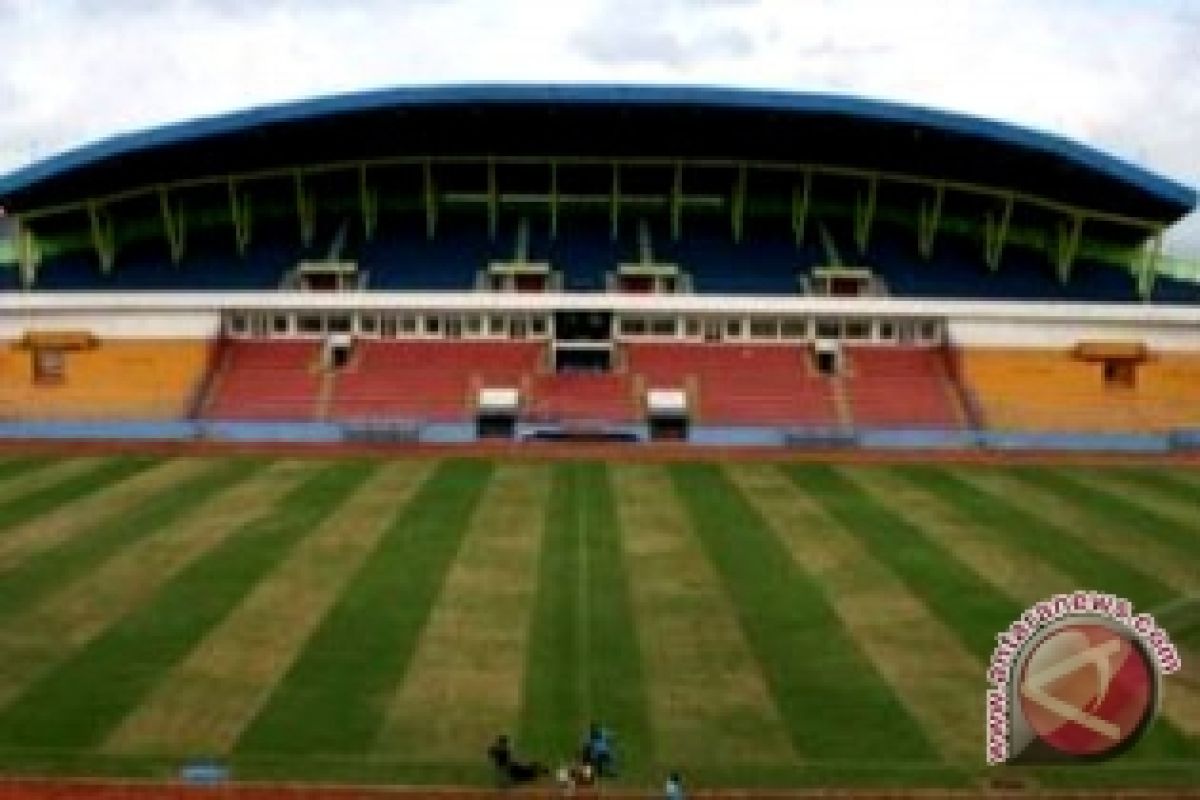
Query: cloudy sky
[(1123, 75)]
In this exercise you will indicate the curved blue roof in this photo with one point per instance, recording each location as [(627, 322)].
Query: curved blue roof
[(1171, 197)]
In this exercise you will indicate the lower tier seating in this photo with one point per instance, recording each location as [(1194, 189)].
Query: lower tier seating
[(146, 379), (740, 385), (582, 397), (426, 380), (266, 381), (900, 387)]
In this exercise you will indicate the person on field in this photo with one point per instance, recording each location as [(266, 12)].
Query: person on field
[(509, 770), (598, 751), (673, 789)]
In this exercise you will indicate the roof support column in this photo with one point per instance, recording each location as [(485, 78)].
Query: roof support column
[(864, 214), (174, 224), (677, 202), (104, 238), (996, 234), (239, 214), (306, 210), (1067, 246), (929, 218), (368, 202), (431, 207), (801, 200), (28, 254), (1148, 272), (493, 199), (737, 207), (615, 202), (553, 199)]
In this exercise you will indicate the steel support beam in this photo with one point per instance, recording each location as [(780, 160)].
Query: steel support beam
[(737, 208), (174, 225), (240, 215), (553, 199), (27, 254), (996, 234), (431, 206), (677, 202), (368, 202), (801, 201), (615, 201), (1067, 247), (864, 215), (929, 218), (306, 210), (1151, 254), (104, 238), (493, 199)]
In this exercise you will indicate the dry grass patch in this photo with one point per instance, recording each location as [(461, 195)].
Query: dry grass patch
[(42, 476), (999, 562), (894, 629), (205, 702), (706, 692), (1141, 553), (45, 634), (464, 683), (51, 529)]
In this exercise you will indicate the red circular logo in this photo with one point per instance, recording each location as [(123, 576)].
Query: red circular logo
[(1087, 689)]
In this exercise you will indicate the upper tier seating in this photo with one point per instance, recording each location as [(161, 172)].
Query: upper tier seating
[(582, 396), (894, 387), (1026, 389), (426, 380), (740, 385), (266, 381), (116, 380)]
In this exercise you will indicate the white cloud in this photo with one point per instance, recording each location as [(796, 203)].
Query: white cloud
[(1118, 74)]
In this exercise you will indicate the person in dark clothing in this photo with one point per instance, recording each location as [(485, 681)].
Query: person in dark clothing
[(598, 751), (510, 771)]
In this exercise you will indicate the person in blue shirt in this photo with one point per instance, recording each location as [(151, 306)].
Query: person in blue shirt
[(673, 790), (598, 751)]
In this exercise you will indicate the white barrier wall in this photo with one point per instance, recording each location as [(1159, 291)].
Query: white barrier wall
[(966, 324)]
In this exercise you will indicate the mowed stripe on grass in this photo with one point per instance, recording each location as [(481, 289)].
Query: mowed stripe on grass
[(22, 476), (583, 663), (1157, 488), (50, 631), (835, 704), (14, 470), (706, 692), (64, 709), (923, 661), (41, 517), (333, 698), (204, 703), (142, 506), (997, 502), (464, 683)]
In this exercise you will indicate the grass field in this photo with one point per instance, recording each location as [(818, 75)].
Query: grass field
[(374, 620)]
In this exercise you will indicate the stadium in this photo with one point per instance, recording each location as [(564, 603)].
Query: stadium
[(341, 435)]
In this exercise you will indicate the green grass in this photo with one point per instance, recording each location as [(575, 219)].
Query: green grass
[(47, 570), (78, 703), (323, 717), (834, 703), (31, 505), (334, 697), (583, 663)]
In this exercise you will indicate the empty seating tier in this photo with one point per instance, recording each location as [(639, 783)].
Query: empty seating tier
[(573, 397), (266, 381), (740, 385), (435, 381), (896, 387)]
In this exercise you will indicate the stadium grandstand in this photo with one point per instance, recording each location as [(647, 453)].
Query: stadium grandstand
[(637, 263)]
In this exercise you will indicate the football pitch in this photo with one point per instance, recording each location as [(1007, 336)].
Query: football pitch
[(376, 620)]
